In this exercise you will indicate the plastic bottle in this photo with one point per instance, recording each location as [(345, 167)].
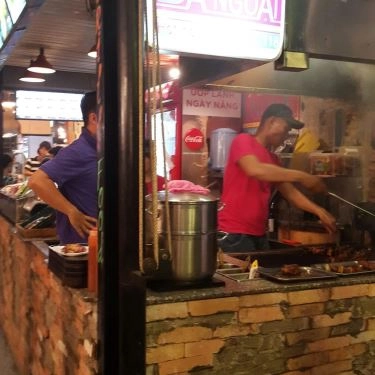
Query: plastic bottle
[(92, 274)]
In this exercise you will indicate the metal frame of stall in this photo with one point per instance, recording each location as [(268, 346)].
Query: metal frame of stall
[(122, 295)]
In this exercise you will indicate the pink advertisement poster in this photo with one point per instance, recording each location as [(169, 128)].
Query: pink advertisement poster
[(247, 29), (255, 104)]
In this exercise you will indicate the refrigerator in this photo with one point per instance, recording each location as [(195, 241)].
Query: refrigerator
[(165, 127)]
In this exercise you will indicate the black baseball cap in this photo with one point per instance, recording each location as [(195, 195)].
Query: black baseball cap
[(283, 111)]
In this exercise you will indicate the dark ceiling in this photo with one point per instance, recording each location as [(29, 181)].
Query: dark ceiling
[(66, 30)]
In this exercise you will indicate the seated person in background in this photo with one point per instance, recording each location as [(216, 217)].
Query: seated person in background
[(6, 162), (51, 154), (55, 150), (148, 177), (33, 164)]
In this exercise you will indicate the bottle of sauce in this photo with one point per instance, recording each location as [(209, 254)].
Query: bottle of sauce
[(92, 272), (273, 216)]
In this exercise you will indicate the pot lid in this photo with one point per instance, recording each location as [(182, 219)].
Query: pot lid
[(183, 197)]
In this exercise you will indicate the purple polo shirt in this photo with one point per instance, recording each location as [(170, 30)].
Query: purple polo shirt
[(74, 169)]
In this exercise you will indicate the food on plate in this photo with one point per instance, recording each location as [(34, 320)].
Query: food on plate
[(343, 253), (366, 265), (73, 248), (318, 250), (340, 268), (360, 266), (291, 270)]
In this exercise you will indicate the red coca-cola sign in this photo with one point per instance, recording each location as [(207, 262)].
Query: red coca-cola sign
[(194, 139)]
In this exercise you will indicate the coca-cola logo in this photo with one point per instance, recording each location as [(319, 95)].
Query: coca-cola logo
[(194, 139)]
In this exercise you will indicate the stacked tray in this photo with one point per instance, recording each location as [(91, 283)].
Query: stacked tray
[(233, 272), (72, 270)]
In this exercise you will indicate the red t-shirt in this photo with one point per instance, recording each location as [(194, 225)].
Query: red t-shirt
[(160, 184), (245, 198)]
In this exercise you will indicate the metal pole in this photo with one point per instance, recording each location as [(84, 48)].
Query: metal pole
[(122, 288)]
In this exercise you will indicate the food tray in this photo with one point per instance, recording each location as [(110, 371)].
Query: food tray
[(345, 265), (229, 271), (308, 273), (36, 233), (238, 276)]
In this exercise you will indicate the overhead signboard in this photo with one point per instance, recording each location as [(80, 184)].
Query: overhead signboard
[(6, 23), (43, 105), (15, 8), (10, 11), (246, 29)]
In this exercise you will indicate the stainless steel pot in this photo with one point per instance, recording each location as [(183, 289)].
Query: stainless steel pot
[(193, 222), (190, 213)]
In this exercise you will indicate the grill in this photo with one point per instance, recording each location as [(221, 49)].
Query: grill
[(307, 255)]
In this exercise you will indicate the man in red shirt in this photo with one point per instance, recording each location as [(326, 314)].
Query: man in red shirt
[(252, 171)]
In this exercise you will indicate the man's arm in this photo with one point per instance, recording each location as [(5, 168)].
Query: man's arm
[(273, 173), (298, 199), (45, 188)]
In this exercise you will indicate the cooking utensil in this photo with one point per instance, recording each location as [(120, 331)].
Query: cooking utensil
[(350, 203)]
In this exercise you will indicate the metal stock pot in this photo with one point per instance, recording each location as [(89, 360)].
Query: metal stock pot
[(193, 226)]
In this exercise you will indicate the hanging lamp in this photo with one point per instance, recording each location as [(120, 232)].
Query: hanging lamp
[(93, 53), (41, 65), (30, 76)]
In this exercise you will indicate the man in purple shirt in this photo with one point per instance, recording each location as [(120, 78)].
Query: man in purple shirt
[(74, 171)]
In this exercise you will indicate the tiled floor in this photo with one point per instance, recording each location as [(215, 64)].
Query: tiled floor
[(7, 366)]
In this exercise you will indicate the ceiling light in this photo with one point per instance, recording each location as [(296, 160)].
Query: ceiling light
[(92, 53), (8, 99), (174, 73), (9, 135), (32, 77), (8, 104), (41, 65)]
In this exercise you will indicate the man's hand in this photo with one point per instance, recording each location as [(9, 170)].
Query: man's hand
[(314, 184), (295, 197), (80, 222), (328, 221)]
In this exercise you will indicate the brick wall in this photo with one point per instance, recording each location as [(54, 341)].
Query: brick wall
[(314, 332), (50, 328)]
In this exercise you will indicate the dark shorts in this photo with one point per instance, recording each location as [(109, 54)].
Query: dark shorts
[(242, 243)]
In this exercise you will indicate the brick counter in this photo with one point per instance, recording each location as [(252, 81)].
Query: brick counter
[(51, 329), (257, 327), (267, 329)]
